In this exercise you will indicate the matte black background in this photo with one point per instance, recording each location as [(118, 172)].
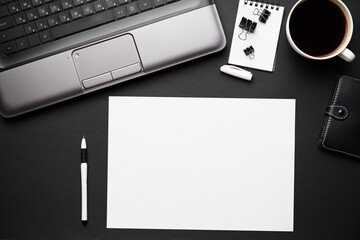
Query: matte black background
[(40, 151)]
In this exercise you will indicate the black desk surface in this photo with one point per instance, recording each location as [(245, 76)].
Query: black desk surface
[(40, 155)]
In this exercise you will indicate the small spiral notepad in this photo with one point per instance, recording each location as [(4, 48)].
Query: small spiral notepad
[(264, 39)]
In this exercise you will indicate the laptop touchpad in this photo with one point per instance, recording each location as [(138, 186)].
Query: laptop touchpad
[(108, 60)]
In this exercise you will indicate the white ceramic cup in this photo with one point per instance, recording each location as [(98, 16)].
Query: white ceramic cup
[(342, 51)]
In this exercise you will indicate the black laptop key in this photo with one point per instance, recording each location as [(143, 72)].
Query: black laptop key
[(11, 34), (20, 18), (78, 2), (13, 7), (132, 8), (120, 12), (25, 4), (76, 13), (65, 17), (158, 3), (43, 11), (41, 24), (36, 2), (144, 5), (87, 9), (9, 48), (3, 11), (7, 22), (110, 3), (31, 14), (45, 36), (66, 4), (33, 40), (55, 7), (99, 6), (22, 44), (53, 21), (121, 2), (82, 24), (30, 28)]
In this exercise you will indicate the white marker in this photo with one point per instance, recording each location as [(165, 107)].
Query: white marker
[(236, 72)]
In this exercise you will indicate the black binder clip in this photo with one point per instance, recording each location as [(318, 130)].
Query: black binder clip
[(263, 14), (250, 51), (247, 26)]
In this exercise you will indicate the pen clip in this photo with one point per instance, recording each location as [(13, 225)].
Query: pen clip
[(237, 68)]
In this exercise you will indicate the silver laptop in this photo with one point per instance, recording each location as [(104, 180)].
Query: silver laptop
[(52, 50)]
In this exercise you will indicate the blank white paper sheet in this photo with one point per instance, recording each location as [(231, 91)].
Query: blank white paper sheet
[(201, 163)]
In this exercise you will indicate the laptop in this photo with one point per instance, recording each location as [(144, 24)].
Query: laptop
[(53, 50)]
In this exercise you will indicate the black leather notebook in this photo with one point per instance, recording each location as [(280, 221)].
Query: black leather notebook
[(341, 130)]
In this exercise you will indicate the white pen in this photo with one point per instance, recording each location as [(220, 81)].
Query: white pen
[(236, 72), (83, 167)]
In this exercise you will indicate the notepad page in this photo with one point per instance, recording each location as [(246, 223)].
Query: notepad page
[(201, 163), (264, 39)]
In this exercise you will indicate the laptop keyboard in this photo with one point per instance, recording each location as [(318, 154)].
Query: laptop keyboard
[(28, 23)]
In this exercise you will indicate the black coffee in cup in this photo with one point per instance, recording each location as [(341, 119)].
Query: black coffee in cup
[(318, 27)]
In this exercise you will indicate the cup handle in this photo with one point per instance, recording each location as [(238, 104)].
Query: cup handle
[(347, 55)]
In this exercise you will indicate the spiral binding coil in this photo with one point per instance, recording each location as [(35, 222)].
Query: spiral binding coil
[(263, 4)]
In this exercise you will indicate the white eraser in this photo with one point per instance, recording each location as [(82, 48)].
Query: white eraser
[(236, 72)]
